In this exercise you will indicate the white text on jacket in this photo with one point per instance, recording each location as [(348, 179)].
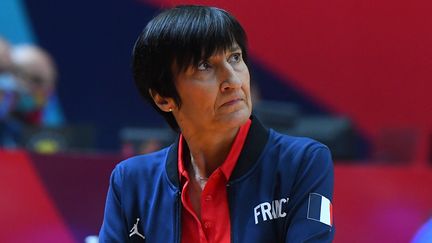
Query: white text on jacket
[(269, 211)]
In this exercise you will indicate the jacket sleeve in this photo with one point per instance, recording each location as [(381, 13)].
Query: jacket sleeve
[(311, 217), (114, 227)]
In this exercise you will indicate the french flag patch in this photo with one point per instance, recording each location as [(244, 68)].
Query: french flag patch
[(320, 209)]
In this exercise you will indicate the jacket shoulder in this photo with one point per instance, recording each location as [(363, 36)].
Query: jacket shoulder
[(294, 144), (141, 165)]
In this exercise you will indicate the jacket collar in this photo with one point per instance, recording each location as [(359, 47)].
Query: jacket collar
[(252, 148)]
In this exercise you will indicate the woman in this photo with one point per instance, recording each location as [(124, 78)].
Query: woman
[(226, 178)]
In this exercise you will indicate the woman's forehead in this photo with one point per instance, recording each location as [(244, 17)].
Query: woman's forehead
[(234, 47)]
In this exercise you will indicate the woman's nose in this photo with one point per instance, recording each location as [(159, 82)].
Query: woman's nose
[(230, 78)]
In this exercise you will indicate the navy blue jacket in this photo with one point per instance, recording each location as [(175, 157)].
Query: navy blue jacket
[(271, 193)]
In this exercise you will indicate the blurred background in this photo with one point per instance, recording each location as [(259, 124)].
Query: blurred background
[(355, 75)]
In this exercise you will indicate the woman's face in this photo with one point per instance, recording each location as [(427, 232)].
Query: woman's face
[(215, 94)]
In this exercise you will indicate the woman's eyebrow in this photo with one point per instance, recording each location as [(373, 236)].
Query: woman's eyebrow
[(234, 48)]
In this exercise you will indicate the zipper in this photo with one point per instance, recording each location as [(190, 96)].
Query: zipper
[(178, 216), (228, 186)]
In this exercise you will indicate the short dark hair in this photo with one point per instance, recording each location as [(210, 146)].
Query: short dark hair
[(183, 35)]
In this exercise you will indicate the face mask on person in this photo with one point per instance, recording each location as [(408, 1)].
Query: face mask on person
[(27, 103)]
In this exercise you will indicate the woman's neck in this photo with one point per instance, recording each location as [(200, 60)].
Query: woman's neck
[(209, 151)]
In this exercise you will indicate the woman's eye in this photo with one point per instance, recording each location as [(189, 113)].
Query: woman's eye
[(235, 58), (202, 66)]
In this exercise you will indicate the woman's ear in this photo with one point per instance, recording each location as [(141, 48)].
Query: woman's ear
[(164, 103)]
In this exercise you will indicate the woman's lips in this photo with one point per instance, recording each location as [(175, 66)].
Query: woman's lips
[(232, 102)]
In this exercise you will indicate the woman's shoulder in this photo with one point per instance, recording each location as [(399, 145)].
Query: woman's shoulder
[(301, 156), (144, 164), (299, 153), (295, 143)]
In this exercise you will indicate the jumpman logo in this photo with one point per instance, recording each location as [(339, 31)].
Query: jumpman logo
[(134, 230)]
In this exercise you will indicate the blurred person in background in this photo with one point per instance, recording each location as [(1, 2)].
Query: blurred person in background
[(36, 75), (27, 84), (9, 128), (226, 178)]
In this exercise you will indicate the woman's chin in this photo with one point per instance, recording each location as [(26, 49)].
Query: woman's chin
[(236, 119)]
